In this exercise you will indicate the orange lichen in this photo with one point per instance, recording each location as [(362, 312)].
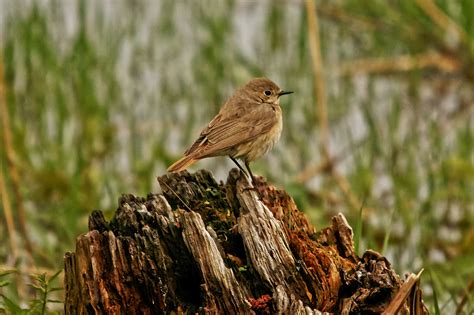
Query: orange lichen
[(261, 305)]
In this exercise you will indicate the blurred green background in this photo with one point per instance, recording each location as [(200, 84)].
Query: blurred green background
[(99, 97)]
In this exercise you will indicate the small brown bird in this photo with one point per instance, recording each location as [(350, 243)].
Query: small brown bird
[(246, 127)]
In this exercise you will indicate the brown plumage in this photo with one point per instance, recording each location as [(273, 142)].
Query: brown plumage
[(247, 126)]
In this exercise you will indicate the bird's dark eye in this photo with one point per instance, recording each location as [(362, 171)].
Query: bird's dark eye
[(268, 93)]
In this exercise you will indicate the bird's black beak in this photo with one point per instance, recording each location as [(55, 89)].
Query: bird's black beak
[(284, 93)]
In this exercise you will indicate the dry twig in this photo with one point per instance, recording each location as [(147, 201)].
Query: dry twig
[(465, 297), (400, 64), (403, 294), (310, 172), (7, 212), (356, 23), (319, 82), (10, 153), (320, 90), (444, 21)]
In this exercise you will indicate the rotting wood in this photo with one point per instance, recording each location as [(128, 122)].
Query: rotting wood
[(209, 247)]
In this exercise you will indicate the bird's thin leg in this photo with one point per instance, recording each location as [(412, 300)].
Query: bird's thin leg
[(241, 168), (250, 172)]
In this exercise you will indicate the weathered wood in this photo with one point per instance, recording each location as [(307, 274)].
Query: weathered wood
[(216, 276), (221, 248)]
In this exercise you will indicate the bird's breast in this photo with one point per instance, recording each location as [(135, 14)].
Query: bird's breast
[(256, 148)]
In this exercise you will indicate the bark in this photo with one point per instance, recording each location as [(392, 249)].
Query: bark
[(209, 247)]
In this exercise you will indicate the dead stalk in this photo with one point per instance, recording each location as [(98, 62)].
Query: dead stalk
[(320, 90), (13, 171)]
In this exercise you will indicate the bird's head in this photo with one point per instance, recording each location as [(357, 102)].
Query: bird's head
[(264, 90)]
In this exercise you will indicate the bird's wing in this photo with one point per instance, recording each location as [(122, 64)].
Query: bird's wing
[(203, 136), (224, 133)]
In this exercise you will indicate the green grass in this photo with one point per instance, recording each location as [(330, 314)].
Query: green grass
[(101, 105)]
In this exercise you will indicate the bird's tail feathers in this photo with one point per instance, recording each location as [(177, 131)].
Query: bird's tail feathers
[(181, 164)]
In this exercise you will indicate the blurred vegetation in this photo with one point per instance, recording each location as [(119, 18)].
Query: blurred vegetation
[(102, 96)]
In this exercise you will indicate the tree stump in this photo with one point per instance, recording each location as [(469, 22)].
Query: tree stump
[(208, 247)]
